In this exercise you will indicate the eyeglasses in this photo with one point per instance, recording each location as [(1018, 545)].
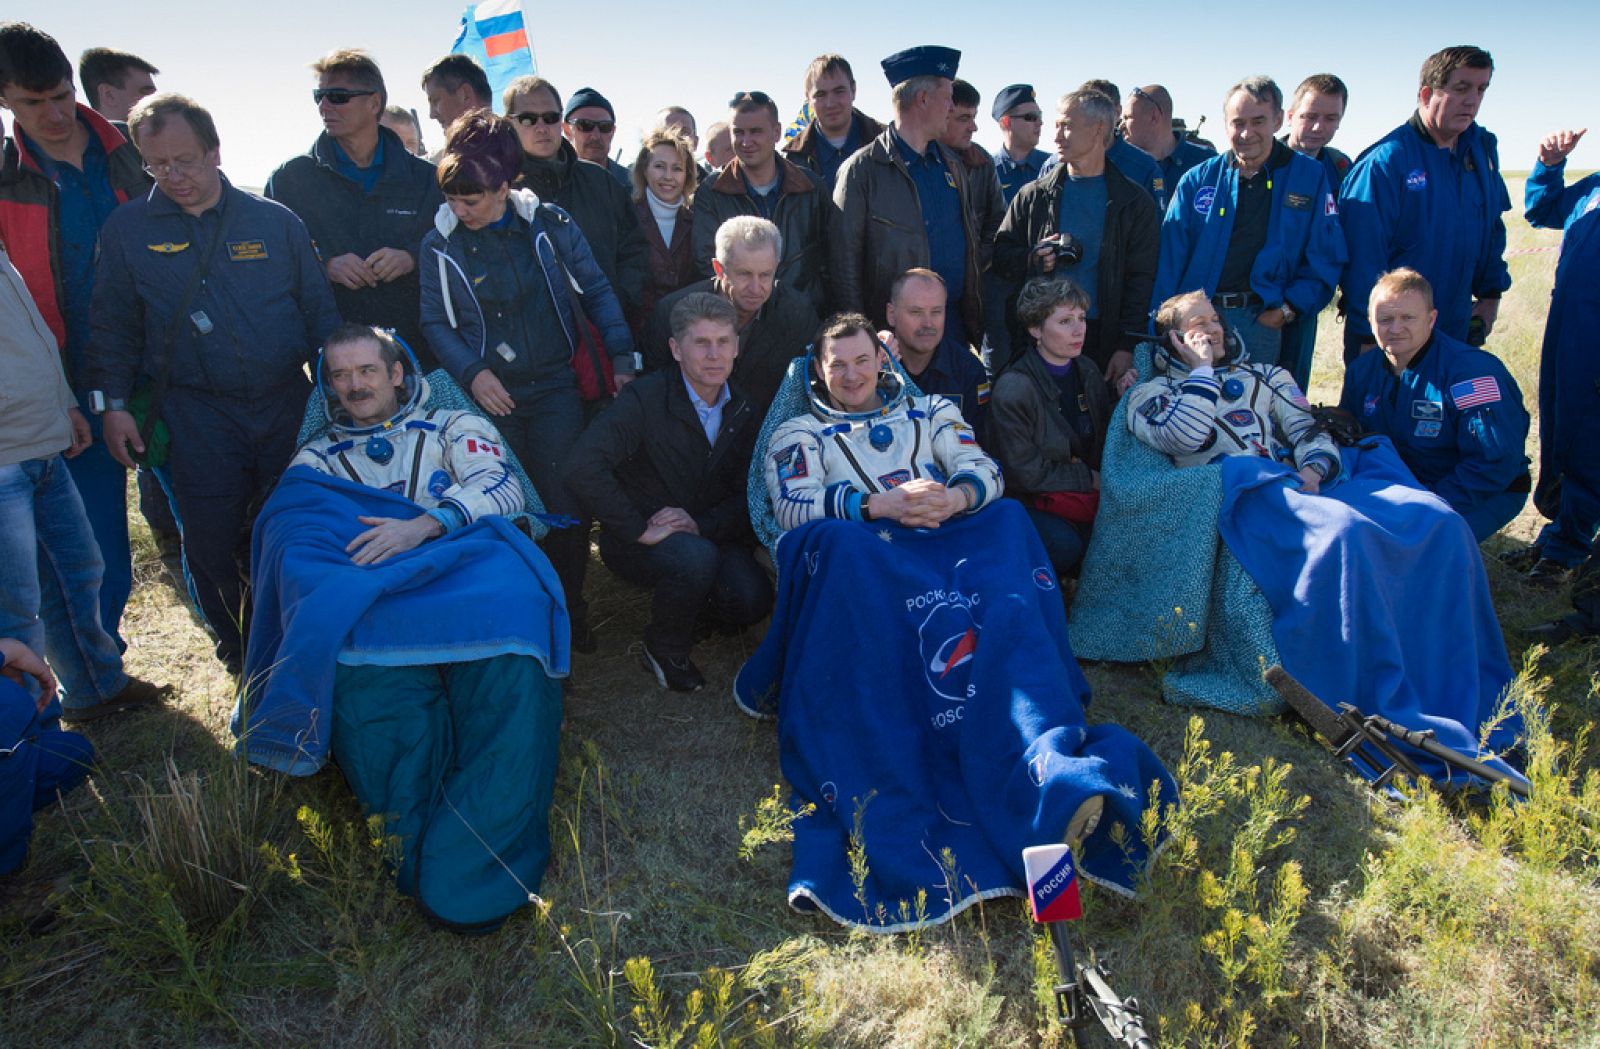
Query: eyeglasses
[(760, 98), (605, 127), (531, 119), (187, 168), (1032, 118), (337, 95)]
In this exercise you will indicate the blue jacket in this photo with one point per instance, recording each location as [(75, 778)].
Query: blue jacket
[(344, 219), (1406, 202), (266, 296), (1465, 455), (1304, 252), (453, 320), (1550, 203)]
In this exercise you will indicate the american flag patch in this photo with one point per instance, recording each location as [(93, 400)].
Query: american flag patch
[(1473, 392)]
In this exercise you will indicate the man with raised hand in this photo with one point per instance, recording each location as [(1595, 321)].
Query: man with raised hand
[(1429, 196), (837, 129), (365, 199), (903, 201), (759, 181)]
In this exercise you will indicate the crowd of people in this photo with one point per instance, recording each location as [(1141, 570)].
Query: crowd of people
[(515, 326)]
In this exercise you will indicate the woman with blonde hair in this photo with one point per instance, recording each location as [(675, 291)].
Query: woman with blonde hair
[(663, 189)]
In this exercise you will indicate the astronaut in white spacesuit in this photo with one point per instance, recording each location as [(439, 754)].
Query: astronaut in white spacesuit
[(1209, 401), (867, 450), (450, 463)]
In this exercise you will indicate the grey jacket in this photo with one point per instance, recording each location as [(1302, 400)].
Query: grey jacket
[(34, 399)]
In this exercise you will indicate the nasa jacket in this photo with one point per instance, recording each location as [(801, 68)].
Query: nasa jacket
[(453, 319), (344, 219), (265, 299), (826, 462), (1406, 202), (1455, 415), (1304, 251)]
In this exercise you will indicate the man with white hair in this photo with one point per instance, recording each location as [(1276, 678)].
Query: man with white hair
[(775, 322)]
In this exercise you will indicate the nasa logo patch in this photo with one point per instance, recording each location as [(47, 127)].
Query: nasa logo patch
[(1369, 405), (1417, 180), (1204, 198)]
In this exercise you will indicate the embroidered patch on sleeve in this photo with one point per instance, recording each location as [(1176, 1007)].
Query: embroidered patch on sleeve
[(791, 463)]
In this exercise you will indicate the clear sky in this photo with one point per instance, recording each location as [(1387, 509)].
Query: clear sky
[(246, 62)]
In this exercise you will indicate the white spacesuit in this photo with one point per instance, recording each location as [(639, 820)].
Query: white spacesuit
[(1233, 409), (450, 463), (825, 462)]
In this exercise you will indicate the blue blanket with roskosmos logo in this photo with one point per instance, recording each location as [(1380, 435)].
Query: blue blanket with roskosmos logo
[(480, 591), (931, 714), (1378, 595)]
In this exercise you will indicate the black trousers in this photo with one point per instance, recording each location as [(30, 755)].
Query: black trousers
[(691, 577)]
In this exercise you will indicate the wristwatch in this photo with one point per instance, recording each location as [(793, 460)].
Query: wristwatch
[(1288, 312), (99, 403)]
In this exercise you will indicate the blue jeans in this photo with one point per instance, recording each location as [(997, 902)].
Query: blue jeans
[(50, 573), (1299, 344), (691, 577), (1062, 540), (102, 484), (1264, 343)]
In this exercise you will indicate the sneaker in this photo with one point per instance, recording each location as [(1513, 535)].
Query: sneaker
[(1547, 574), (1084, 821), (134, 695), (677, 673)]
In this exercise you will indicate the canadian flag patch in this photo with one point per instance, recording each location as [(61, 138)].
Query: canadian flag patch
[(477, 447), (1329, 207)]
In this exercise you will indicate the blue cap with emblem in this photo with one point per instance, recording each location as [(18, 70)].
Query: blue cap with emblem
[(1010, 98), (927, 60)]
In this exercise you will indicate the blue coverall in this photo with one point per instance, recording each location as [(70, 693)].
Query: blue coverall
[(1455, 415), (1569, 368)]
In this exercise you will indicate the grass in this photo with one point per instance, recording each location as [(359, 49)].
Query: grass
[(201, 902)]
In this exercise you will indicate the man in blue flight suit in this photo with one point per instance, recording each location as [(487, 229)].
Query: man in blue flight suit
[(215, 297), (1429, 196), (938, 362), (1019, 160), (1454, 412), (1147, 124), (1569, 368), (365, 200), (1256, 228), (1314, 116)]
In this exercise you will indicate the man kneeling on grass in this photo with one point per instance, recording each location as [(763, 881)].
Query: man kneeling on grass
[(400, 612), (953, 736)]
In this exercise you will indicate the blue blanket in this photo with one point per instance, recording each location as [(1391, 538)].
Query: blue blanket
[(1378, 594), (930, 709), (484, 590)]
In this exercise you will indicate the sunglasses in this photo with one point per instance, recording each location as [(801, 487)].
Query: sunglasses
[(337, 95), (1032, 118), (534, 119), (605, 127)]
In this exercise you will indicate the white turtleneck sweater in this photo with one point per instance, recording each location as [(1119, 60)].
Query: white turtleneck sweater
[(666, 215)]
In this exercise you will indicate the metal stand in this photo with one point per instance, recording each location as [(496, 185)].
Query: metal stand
[(1089, 987)]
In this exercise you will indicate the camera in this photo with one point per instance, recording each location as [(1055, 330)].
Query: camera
[(1068, 249)]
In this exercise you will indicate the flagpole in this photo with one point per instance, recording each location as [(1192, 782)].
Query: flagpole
[(531, 49)]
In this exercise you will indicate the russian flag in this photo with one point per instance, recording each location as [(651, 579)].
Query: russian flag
[(1052, 883), (495, 35)]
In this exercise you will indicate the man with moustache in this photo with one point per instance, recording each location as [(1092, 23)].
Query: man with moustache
[(590, 123), (933, 359)]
